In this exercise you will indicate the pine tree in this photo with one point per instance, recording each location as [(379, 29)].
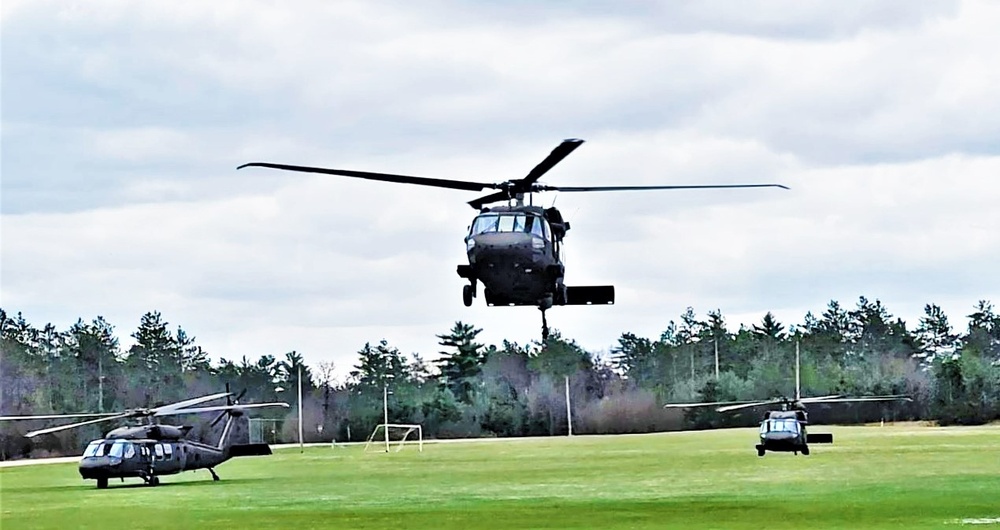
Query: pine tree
[(460, 366)]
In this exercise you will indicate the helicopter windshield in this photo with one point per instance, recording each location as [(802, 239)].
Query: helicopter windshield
[(118, 449), (513, 222), (791, 426), (107, 448), (92, 448)]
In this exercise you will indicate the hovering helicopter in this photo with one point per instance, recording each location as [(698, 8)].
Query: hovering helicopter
[(515, 250), (151, 450), (784, 430)]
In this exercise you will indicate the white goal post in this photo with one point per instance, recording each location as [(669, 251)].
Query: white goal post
[(391, 438)]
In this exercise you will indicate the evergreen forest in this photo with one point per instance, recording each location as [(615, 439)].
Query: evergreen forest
[(501, 390)]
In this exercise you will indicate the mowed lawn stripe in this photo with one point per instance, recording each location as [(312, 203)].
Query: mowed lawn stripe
[(872, 477)]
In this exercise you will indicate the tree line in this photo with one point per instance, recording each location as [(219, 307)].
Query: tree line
[(471, 389)]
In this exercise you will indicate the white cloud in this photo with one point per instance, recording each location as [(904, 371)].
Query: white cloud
[(124, 122)]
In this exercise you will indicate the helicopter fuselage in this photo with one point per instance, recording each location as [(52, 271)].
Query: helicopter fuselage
[(148, 452), (785, 431), (514, 251)]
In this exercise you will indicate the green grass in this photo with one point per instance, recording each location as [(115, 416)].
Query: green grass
[(872, 477)]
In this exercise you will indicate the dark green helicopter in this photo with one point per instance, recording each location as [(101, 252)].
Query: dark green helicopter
[(784, 430), (515, 250), (152, 450)]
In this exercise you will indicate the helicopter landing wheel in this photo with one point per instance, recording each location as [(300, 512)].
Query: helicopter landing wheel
[(760, 451), (215, 477), (154, 480), (805, 450), (467, 294), (102, 483)]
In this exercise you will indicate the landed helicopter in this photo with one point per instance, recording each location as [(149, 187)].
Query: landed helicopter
[(784, 430), (152, 450), (515, 250)]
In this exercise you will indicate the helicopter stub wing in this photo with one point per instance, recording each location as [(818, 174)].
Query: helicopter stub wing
[(590, 295), (819, 438)]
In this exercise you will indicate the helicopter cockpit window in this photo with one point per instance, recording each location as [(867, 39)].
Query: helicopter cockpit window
[(783, 426), (514, 222), (118, 449), (99, 448), (485, 223), (537, 227), (511, 223), (92, 448)]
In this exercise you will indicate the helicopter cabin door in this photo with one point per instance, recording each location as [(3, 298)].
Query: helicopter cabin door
[(166, 459)]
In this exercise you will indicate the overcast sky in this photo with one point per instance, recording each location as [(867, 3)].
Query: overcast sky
[(123, 123)]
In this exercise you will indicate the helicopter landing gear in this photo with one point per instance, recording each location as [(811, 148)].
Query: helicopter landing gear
[(214, 476), (468, 293), (102, 483), (760, 451), (545, 327), (805, 450), (153, 480)]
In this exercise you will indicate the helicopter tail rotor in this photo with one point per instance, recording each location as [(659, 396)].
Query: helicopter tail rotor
[(230, 401)]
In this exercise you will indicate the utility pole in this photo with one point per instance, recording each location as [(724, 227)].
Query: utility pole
[(691, 349), (569, 415), (100, 382), (385, 411), (715, 341), (301, 444)]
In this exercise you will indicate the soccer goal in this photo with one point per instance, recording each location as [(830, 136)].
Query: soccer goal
[(394, 434)]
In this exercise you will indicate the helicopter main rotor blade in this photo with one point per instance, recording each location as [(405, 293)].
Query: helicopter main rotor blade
[(32, 434), (197, 410), (747, 405), (640, 188), (560, 152), (385, 177), (709, 404), (818, 399), (162, 410), (860, 399), (57, 416)]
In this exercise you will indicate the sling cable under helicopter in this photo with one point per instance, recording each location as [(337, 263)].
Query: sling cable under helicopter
[(515, 250)]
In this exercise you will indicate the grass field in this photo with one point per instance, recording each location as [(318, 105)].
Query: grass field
[(872, 477)]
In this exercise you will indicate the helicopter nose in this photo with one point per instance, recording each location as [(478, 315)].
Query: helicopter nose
[(780, 436), (97, 466)]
